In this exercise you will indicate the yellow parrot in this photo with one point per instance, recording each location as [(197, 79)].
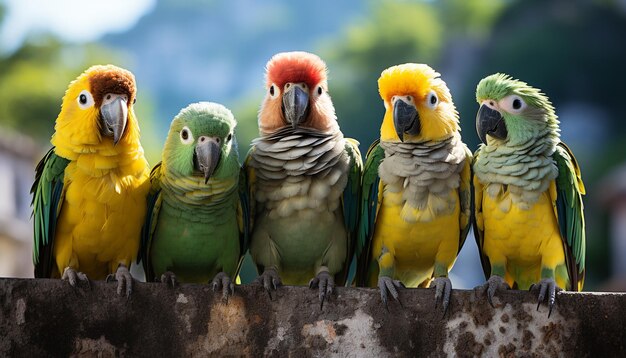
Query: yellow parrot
[(415, 208), (89, 194), (529, 225)]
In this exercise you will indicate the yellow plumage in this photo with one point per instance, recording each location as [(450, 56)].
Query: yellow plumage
[(105, 186), (415, 247), (521, 239), (418, 80), (420, 171)]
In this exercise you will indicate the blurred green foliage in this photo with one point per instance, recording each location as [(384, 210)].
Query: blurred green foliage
[(33, 79), (573, 50)]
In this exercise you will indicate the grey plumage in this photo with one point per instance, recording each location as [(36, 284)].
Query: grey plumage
[(427, 171)]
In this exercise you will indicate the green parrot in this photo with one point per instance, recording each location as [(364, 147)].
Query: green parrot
[(196, 224), (529, 222)]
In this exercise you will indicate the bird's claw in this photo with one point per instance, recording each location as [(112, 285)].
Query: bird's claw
[(169, 278), (325, 282), (387, 284), (547, 291), (443, 290), (75, 277), (124, 280), (270, 280), (222, 281), (493, 284)]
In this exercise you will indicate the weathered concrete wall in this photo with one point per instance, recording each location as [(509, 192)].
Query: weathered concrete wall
[(49, 318)]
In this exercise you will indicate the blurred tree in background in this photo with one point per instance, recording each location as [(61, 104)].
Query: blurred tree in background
[(206, 50)]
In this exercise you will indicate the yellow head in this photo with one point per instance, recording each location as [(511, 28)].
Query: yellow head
[(97, 114), (418, 105)]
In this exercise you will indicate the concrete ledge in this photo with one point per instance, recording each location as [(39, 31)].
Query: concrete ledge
[(49, 318)]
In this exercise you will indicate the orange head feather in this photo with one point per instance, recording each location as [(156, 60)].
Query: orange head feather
[(78, 128), (306, 71), (296, 66), (419, 83)]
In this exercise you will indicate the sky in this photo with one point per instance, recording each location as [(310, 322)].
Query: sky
[(72, 20)]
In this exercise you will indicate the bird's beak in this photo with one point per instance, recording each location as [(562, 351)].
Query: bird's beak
[(207, 156), (295, 105), (490, 121), (406, 119), (113, 116)]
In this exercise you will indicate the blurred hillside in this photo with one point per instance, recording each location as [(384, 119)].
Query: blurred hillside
[(182, 52)]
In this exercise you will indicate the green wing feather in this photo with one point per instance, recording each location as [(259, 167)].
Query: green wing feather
[(477, 223), (465, 198), (350, 202), (569, 210), (370, 197), (243, 217), (48, 192), (153, 203)]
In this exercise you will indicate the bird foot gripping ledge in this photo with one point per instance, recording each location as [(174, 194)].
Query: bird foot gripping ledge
[(48, 317)]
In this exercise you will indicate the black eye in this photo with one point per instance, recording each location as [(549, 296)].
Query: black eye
[(433, 99), (82, 99), (319, 90), (134, 100), (230, 136), (517, 103), (217, 140), (272, 90), (184, 134)]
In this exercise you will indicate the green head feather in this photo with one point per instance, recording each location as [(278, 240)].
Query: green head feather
[(534, 119), (195, 123)]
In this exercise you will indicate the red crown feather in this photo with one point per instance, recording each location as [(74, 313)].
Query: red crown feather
[(295, 67)]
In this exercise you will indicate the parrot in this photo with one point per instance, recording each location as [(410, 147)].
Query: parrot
[(196, 224), (415, 209), (90, 188), (304, 180), (529, 223)]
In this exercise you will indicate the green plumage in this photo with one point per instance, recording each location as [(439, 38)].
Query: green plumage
[(47, 193), (526, 162), (196, 225), (369, 209)]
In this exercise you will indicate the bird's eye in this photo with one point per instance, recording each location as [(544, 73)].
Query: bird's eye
[(273, 91), (135, 100), (319, 90), (432, 100), (185, 135), (513, 104), (230, 136), (85, 100)]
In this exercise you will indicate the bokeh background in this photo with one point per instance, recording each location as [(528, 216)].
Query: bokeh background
[(187, 51)]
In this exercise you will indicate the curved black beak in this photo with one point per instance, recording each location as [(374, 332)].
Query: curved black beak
[(207, 156), (295, 105), (489, 121), (114, 116), (406, 119)]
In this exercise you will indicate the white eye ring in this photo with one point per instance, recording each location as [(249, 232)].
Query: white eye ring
[(513, 104), (273, 91), (432, 101), (85, 99), (185, 135)]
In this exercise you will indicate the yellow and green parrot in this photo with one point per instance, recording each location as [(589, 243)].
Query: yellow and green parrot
[(415, 210), (529, 225), (304, 180), (89, 195), (197, 216)]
